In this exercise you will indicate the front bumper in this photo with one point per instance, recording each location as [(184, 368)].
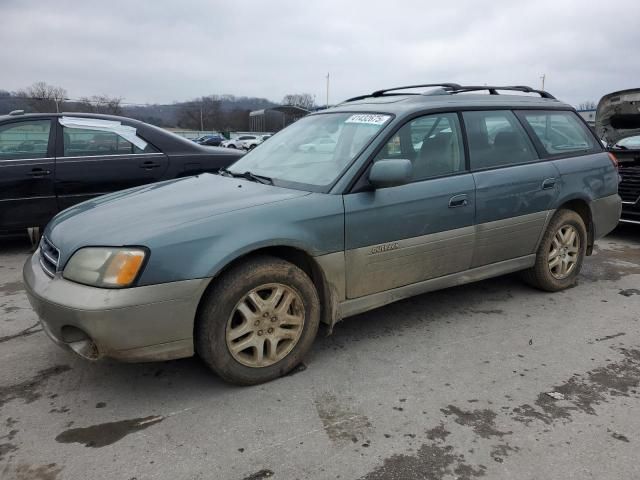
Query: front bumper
[(147, 323)]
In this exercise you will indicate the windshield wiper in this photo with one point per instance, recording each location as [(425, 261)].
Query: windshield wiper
[(247, 176)]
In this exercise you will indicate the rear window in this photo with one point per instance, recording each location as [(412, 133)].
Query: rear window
[(559, 133)]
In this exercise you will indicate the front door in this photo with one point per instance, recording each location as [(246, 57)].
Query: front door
[(406, 234), (95, 159), (27, 166), (514, 189)]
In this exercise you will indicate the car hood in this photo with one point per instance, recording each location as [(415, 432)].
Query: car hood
[(134, 216), (618, 116)]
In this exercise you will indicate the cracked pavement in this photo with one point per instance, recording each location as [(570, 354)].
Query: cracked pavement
[(489, 380)]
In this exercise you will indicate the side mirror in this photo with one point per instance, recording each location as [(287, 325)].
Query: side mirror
[(390, 173)]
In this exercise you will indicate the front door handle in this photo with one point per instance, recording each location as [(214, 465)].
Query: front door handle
[(39, 172), (549, 183), (148, 165), (458, 201)]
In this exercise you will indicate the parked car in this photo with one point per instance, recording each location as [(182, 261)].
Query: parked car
[(323, 144), (251, 144), (49, 162), (241, 267), (618, 125), (211, 140), (238, 141)]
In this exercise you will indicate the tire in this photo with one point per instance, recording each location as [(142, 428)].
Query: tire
[(35, 234), (552, 279), (220, 319)]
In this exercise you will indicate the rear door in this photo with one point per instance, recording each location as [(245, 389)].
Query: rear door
[(514, 188), (406, 234), (95, 157), (27, 165)]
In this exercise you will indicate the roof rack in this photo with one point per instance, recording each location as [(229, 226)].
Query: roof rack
[(493, 90), (380, 93), (451, 88)]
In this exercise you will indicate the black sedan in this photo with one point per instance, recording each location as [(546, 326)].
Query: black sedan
[(49, 162)]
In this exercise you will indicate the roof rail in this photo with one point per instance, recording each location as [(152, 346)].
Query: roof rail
[(493, 90), (451, 88), (380, 93)]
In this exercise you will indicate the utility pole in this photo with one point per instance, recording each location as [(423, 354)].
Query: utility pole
[(543, 77), (201, 123), (327, 89)]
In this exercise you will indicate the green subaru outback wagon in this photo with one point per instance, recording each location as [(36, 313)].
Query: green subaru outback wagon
[(383, 197)]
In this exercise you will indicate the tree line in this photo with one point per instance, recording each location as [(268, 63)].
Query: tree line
[(211, 112)]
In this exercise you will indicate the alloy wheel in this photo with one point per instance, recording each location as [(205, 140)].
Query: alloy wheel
[(564, 252), (265, 325)]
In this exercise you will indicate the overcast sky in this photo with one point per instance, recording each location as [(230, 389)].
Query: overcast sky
[(163, 50)]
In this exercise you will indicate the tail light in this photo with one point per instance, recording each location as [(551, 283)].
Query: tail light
[(614, 160)]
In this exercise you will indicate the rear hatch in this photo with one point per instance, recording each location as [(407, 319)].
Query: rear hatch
[(618, 125)]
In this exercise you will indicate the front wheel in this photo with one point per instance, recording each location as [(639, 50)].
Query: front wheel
[(258, 321), (560, 254)]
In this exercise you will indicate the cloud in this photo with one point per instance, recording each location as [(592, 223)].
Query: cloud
[(164, 51)]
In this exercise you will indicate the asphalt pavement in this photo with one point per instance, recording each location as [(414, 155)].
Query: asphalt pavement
[(490, 380)]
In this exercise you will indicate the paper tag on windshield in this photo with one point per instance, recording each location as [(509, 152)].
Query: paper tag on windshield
[(368, 118)]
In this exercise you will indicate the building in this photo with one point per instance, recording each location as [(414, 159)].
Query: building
[(589, 116), (274, 119)]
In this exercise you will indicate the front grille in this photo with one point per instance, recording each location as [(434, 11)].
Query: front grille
[(49, 256), (629, 188)]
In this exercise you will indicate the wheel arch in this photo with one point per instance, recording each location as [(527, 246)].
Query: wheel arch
[(582, 207), (295, 255)]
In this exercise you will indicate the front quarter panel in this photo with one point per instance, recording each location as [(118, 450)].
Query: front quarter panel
[(313, 223)]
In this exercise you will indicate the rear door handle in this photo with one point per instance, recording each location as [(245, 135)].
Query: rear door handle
[(39, 172), (148, 165), (549, 183), (458, 201)]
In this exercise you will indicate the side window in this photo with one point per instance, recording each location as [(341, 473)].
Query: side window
[(433, 143), (26, 140), (79, 142), (559, 133), (496, 139)]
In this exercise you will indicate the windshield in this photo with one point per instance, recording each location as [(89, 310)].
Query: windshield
[(630, 142), (314, 150)]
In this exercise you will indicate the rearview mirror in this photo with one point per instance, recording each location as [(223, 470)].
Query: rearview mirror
[(390, 173)]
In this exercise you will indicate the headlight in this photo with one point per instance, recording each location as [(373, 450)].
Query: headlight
[(105, 267)]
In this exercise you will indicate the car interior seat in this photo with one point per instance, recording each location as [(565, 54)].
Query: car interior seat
[(510, 144), (436, 156)]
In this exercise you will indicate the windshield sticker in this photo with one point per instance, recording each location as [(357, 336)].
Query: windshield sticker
[(368, 118), (124, 131)]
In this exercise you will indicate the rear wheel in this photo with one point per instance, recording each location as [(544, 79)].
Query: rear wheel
[(560, 254), (258, 321)]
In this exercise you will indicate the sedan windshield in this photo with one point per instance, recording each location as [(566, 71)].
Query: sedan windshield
[(314, 151)]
